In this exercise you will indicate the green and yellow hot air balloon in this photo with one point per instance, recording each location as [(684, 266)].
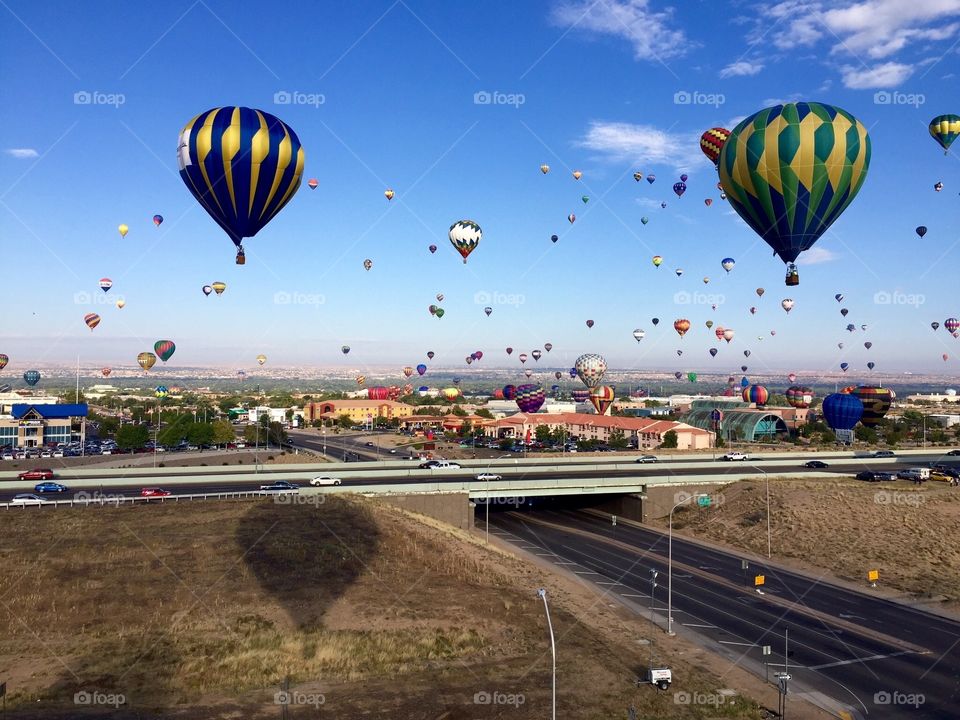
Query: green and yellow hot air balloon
[(945, 129), (791, 170)]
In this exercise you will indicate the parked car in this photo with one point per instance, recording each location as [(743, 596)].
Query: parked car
[(815, 464), (325, 480), (915, 474), (154, 492), (946, 470), (647, 459), (736, 455), (943, 477), (488, 476), (884, 454), (50, 486), (867, 475), (7, 456), (281, 486), (37, 474), (27, 499)]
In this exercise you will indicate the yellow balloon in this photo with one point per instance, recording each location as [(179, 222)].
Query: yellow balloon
[(123, 230), (121, 303)]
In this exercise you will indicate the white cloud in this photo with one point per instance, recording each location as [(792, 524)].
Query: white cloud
[(651, 32), (741, 68), (816, 255), (22, 153), (643, 144), (889, 74)]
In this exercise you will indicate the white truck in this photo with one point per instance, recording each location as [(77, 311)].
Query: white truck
[(735, 455)]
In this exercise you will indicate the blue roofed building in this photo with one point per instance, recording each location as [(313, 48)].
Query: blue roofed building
[(30, 425)]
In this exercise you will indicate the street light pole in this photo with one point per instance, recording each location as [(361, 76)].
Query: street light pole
[(766, 482), (688, 498), (542, 594)]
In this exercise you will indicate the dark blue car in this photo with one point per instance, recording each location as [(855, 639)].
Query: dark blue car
[(48, 487)]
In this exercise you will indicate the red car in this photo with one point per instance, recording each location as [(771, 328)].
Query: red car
[(154, 492), (37, 474)]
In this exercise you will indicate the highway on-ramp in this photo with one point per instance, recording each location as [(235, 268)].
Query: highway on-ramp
[(848, 650)]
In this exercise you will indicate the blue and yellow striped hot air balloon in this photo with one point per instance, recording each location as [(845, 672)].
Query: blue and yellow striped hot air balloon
[(945, 129), (791, 170), (242, 165)]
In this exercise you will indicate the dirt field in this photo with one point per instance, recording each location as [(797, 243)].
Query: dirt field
[(200, 611), (846, 527)]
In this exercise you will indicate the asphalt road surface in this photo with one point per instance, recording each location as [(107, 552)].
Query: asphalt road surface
[(873, 657)]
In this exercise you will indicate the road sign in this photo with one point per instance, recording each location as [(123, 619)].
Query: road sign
[(873, 575), (703, 501), (613, 519), (744, 564), (766, 650), (759, 580)]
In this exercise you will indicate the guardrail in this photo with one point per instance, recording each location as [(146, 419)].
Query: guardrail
[(117, 500)]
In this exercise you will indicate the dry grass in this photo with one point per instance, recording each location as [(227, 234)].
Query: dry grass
[(200, 610), (846, 527)]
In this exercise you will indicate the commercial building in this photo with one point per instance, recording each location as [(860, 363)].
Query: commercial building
[(9, 399), (452, 423), (359, 411), (741, 421), (642, 433), (31, 425)]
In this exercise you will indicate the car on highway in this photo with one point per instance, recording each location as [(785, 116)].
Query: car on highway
[(154, 492), (815, 464), (884, 454), (281, 486), (954, 453), (647, 459), (439, 465), (733, 456), (393, 451), (485, 476), (36, 474), (50, 486), (325, 480), (27, 499), (368, 444)]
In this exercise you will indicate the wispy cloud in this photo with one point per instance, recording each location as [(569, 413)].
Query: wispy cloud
[(22, 153), (816, 256), (652, 33), (642, 143), (887, 75), (741, 68)]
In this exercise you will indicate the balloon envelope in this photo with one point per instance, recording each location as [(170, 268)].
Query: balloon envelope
[(530, 398), (842, 410)]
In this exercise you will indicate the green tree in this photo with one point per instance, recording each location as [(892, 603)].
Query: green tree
[(542, 433), (618, 441), (466, 428), (865, 434), (505, 444), (223, 432), (200, 433), (459, 411), (669, 439), (252, 434), (132, 437), (345, 422), (586, 445), (484, 413)]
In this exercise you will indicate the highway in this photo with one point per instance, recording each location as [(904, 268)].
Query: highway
[(852, 649)]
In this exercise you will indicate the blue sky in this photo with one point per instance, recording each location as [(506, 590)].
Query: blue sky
[(388, 100)]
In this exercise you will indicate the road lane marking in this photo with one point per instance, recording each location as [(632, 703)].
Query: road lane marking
[(731, 642), (698, 625), (585, 572), (859, 660), (633, 595)]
